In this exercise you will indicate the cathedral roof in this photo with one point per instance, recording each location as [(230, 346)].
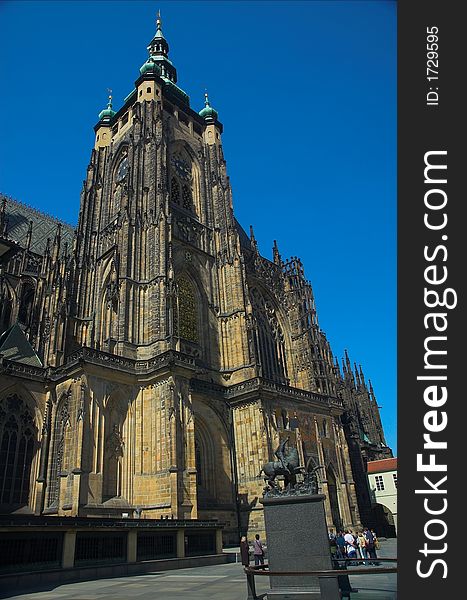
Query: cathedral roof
[(44, 226), (15, 346)]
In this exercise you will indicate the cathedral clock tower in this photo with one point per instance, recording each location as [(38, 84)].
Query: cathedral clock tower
[(156, 219)]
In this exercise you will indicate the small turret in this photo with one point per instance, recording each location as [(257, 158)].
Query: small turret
[(208, 113), (107, 114), (102, 129)]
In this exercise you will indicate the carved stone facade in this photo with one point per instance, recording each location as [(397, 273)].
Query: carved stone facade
[(161, 359)]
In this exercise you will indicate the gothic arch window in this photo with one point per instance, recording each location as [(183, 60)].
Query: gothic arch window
[(61, 434), (187, 198), (184, 181), (186, 311), (119, 185), (269, 339), (6, 305), (18, 437), (109, 306), (26, 303)]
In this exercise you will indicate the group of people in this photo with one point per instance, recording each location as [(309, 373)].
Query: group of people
[(258, 551), (343, 544), (349, 544)]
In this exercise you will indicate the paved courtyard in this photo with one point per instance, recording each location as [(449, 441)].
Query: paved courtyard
[(223, 582)]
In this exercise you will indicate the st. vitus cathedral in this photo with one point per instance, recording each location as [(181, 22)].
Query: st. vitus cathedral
[(151, 360)]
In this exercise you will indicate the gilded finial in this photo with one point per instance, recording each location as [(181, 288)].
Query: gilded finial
[(109, 104), (158, 20)]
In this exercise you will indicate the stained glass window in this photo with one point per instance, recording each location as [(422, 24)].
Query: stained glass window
[(186, 317), (17, 441), (269, 339), (187, 198)]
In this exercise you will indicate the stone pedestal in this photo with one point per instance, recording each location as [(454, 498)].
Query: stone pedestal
[(297, 540)]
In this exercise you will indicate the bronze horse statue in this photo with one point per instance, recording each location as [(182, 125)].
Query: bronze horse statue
[(287, 465)]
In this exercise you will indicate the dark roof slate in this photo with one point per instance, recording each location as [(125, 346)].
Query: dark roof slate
[(43, 226), (15, 346)]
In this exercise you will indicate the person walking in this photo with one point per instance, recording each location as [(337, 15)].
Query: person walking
[(258, 551), (361, 541), (376, 539), (370, 545), (340, 545), (350, 546), (244, 551)]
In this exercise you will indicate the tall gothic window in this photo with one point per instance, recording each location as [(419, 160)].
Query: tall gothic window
[(5, 310), (18, 436), (26, 302), (186, 313), (62, 424), (269, 339), (187, 198), (181, 181)]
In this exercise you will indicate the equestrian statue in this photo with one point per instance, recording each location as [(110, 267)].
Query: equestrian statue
[(287, 465)]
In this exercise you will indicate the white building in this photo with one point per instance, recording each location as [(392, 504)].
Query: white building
[(382, 478)]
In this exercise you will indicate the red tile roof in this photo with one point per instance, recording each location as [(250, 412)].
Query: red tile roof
[(387, 464)]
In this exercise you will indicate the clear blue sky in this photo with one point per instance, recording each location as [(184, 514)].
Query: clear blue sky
[(307, 95)]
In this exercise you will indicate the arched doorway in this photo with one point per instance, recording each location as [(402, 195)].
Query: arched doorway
[(385, 521)]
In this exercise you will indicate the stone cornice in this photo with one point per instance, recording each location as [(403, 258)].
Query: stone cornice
[(258, 387), (98, 358)]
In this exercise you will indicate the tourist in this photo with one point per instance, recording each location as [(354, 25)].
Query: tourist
[(376, 539), (340, 541), (361, 541), (350, 545), (370, 544), (258, 551), (244, 551)]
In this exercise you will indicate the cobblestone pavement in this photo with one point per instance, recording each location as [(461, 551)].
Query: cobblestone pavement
[(223, 582)]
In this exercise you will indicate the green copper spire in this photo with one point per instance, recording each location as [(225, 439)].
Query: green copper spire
[(159, 53), (107, 113), (159, 33), (208, 113)]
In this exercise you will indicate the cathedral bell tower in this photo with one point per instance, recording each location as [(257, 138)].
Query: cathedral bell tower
[(158, 252)]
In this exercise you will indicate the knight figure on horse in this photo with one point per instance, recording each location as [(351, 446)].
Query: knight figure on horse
[(286, 465)]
